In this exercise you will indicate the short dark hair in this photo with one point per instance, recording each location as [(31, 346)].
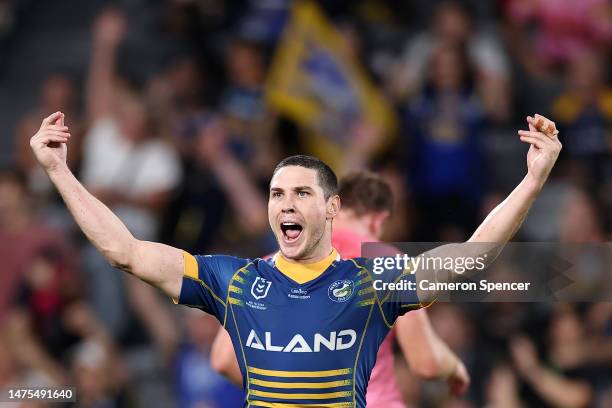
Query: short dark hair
[(365, 192), (325, 175)]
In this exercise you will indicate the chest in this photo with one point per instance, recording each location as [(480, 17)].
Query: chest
[(328, 314)]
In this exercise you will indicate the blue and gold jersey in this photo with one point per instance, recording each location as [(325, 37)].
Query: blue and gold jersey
[(305, 335)]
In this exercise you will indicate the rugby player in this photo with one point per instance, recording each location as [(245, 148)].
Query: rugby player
[(306, 325), (367, 202)]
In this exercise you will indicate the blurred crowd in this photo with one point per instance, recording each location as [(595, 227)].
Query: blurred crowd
[(171, 129)]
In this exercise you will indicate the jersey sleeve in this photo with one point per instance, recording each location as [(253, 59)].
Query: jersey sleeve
[(396, 291), (206, 280)]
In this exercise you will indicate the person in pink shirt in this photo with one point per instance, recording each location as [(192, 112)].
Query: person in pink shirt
[(367, 202), (563, 30)]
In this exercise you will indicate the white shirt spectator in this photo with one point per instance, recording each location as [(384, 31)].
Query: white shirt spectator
[(112, 162), (485, 51)]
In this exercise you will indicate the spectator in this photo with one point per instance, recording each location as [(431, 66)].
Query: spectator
[(198, 385), (44, 294), (452, 26), (177, 94), (576, 216), (126, 163), (35, 367), (584, 114), (445, 162), (220, 197), (564, 29), (566, 386), (131, 168), (458, 87), (249, 123), (100, 377), (23, 236)]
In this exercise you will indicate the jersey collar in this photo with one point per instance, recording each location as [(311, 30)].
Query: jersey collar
[(304, 272)]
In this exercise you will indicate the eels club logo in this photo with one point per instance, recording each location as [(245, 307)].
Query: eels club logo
[(340, 290)]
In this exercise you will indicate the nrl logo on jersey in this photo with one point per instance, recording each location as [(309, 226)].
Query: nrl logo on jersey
[(260, 288), (342, 340)]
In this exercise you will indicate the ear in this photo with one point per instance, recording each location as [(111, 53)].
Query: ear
[(333, 207)]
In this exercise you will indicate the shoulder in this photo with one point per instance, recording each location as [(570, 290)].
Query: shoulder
[(352, 263), (260, 263), (221, 263)]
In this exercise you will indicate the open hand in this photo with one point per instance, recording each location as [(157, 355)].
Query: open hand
[(49, 143), (544, 149)]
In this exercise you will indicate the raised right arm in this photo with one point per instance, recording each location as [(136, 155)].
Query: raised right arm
[(158, 264)]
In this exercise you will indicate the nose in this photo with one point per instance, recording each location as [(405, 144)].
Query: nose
[(288, 205)]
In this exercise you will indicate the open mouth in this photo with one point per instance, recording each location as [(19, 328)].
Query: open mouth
[(291, 231)]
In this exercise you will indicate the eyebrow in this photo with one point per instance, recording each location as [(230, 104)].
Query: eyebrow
[(298, 188), (301, 188)]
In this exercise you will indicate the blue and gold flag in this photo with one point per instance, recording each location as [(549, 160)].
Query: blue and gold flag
[(317, 83)]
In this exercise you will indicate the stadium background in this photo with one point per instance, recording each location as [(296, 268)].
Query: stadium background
[(211, 94)]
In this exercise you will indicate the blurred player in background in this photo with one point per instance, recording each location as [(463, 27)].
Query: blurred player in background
[(367, 202)]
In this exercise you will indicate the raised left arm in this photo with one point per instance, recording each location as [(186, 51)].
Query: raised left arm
[(505, 220)]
